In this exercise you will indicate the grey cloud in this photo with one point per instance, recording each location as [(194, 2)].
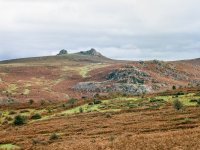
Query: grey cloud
[(123, 29)]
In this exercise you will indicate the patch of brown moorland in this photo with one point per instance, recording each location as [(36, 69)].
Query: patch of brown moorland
[(163, 128)]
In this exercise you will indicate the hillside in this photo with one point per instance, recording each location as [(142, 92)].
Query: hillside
[(83, 74), (88, 101)]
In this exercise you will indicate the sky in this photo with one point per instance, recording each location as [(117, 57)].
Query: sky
[(119, 29)]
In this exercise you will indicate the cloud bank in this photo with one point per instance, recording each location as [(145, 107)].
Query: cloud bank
[(122, 29)]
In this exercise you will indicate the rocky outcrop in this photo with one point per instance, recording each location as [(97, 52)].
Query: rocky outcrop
[(62, 52), (127, 79), (105, 87), (91, 52), (128, 74)]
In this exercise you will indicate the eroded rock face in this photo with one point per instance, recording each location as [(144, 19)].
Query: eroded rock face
[(127, 79), (106, 87), (130, 75), (63, 52)]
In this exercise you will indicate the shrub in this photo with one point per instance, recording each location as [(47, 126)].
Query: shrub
[(180, 93), (174, 87), (42, 102), (197, 94), (36, 141), (24, 111), (8, 118), (84, 97), (90, 103), (81, 110), (152, 99), (193, 101), (198, 102), (72, 101), (49, 110), (97, 101), (177, 104), (54, 136), (108, 115), (96, 95), (156, 100), (19, 120), (12, 113), (36, 116), (31, 101)]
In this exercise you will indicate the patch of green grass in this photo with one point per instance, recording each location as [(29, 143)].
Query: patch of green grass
[(86, 69), (185, 99), (9, 147), (105, 106)]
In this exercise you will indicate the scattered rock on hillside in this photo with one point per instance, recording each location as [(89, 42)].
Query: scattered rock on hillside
[(63, 52)]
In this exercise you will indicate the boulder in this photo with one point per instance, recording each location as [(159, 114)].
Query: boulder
[(62, 52)]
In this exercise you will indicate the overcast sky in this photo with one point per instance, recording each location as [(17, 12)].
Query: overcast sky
[(120, 29)]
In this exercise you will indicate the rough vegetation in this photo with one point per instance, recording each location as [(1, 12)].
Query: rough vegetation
[(87, 101), (122, 122)]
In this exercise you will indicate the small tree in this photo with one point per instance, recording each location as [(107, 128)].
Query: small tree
[(177, 104), (19, 120)]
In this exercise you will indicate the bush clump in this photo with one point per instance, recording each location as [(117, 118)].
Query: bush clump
[(19, 120), (193, 101), (180, 93), (198, 102), (97, 101), (173, 87), (177, 104), (31, 102), (90, 103), (12, 113), (54, 136), (72, 101), (81, 110), (36, 116), (153, 99), (197, 94)]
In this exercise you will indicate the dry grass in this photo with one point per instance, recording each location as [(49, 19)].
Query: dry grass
[(163, 128)]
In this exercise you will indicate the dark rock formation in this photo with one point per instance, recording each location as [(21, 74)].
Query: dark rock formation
[(63, 52), (130, 75), (91, 52)]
